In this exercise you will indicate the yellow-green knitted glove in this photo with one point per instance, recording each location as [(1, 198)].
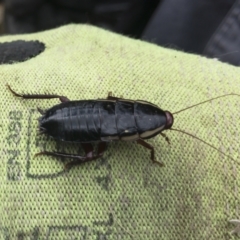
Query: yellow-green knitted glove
[(122, 195)]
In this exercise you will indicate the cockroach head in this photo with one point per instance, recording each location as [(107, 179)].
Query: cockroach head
[(169, 121)]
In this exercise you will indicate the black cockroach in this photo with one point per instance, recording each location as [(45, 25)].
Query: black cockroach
[(103, 121)]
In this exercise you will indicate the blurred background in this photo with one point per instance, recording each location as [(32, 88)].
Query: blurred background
[(206, 27)]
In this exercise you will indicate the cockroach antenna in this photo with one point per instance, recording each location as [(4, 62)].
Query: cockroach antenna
[(209, 100), (199, 139)]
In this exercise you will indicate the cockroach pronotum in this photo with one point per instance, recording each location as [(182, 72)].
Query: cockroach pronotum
[(103, 121)]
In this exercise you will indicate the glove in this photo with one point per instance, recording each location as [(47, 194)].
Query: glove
[(122, 195)]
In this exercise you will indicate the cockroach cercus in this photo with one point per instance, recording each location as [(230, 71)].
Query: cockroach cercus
[(103, 121)]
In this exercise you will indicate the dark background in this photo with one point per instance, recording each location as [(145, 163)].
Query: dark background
[(205, 27)]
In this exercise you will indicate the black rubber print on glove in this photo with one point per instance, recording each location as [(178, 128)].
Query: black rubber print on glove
[(19, 51)]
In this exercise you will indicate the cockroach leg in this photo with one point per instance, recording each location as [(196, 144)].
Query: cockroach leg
[(60, 154), (38, 96), (79, 159), (41, 131), (102, 146), (148, 146), (166, 138), (63, 99), (111, 97), (41, 111), (88, 149)]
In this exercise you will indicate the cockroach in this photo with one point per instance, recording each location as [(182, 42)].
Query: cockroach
[(103, 121)]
